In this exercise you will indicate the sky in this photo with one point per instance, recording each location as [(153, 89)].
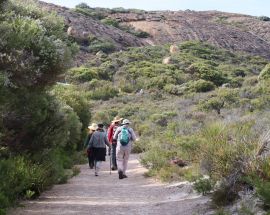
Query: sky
[(251, 7)]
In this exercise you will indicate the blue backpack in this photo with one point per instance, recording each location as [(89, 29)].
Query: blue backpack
[(124, 136)]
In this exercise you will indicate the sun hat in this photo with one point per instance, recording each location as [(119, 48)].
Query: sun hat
[(93, 127), (126, 121), (117, 119)]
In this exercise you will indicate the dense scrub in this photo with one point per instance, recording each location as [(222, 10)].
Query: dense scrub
[(195, 68), (202, 107), (40, 131)]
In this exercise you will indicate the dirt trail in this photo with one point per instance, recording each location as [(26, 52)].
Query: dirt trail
[(106, 194)]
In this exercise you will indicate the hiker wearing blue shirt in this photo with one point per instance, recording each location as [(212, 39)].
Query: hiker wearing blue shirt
[(124, 136)]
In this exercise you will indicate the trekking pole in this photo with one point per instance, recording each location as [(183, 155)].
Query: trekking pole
[(110, 161)]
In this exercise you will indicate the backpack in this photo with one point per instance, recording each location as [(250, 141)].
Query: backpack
[(124, 136)]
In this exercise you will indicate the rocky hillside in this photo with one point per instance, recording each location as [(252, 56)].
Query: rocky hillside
[(81, 26), (231, 31), (226, 30)]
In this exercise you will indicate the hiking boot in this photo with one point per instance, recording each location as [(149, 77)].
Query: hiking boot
[(125, 176), (114, 168), (121, 175)]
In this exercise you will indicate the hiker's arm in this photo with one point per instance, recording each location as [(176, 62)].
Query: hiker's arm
[(133, 135), (115, 136), (90, 144), (107, 141), (86, 141)]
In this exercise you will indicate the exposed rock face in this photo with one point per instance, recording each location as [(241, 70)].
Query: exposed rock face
[(234, 32), (80, 26)]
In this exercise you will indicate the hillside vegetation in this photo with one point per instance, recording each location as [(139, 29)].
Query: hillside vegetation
[(201, 112), (203, 107), (40, 130), (119, 28)]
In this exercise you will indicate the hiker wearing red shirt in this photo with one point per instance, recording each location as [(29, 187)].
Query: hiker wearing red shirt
[(111, 130)]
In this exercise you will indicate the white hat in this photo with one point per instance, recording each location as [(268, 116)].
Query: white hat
[(93, 127), (126, 121), (117, 119)]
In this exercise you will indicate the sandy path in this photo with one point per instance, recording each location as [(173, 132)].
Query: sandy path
[(106, 194)]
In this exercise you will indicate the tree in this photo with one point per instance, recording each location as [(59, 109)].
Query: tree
[(34, 51)]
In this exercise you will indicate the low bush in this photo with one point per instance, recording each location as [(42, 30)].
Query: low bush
[(212, 104), (264, 18), (265, 73), (102, 90), (97, 45), (111, 22), (91, 12), (19, 177), (201, 86), (131, 30), (177, 90), (81, 74), (203, 185), (207, 72)]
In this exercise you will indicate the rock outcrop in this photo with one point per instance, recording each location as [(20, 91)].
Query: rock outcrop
[(80, 26), (234, 32)]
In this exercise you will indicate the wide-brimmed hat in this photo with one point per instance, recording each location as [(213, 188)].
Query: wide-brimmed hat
[(126, 121), (117, 119), (93, 127)]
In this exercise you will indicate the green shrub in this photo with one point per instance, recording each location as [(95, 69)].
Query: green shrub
[(201, 86), (203, 186), (131, 30), (91, 12), (81, 74), (120, 10), (208, 73), (162, 118), (264, 18), (102, 90), (75, 98), (38, 132), (141, 34), (214, 103), (83, 5), (221, 211), (175, 89), (263, 191), (265, 73), (111, 22), (19, 177), (97, 45), (29, 194)]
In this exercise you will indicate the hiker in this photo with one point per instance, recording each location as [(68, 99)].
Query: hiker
[(97, 146), (124, 136), (91, 129), (111, 131)]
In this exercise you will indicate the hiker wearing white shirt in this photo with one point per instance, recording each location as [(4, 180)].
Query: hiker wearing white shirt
[(124, 136)]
